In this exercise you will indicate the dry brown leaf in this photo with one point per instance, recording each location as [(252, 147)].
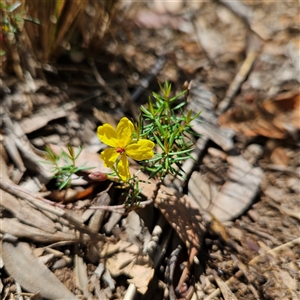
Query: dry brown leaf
[(125, 258), (30, 273), (274, 118), (221, 136), (42, 118), (279, 156)]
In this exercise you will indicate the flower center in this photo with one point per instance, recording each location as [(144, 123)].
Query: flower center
[(120, 150)]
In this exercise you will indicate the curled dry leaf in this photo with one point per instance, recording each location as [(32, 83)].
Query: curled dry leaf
[(238, 193), (235, 196), (30, 273)]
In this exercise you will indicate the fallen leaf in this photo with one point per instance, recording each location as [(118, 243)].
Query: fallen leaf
[(279, 156), (104, 117), (30, 273), (137, 267), (274, 118), (82, 277)]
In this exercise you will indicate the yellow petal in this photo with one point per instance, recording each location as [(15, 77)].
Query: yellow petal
[(141, 150), (109, 155), (108, 135), (123, 168), (125, 131)]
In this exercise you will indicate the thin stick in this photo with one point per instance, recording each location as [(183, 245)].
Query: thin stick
[(275, 250)]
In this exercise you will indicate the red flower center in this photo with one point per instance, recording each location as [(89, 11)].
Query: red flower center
[(120, 150)]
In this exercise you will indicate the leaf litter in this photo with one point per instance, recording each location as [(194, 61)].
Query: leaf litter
[(242, 243)]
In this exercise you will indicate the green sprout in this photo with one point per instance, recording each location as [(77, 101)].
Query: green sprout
[(64, 173)]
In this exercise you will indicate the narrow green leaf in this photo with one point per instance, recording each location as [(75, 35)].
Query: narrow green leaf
[(178, 106), (177, 96), (180, 158), (155, 172), (181, 152), (167, 163), (82, 168), (78, 152), (197, 115), (64, 184), (151, 109), (145, 111), (66, 156), (172, 138), (159, 142), (152, 160), (13, 6), (157, 122), (29, 19)]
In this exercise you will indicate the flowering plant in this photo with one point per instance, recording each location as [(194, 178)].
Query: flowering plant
[(163, 122), (161, 140)]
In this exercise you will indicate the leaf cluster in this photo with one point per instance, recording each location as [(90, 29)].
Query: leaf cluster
[(165, 123), (64, 173)]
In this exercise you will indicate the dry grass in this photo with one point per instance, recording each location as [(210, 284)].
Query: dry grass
[(59, 22)]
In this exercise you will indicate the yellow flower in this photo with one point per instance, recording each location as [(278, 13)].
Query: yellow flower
[(122, 143)]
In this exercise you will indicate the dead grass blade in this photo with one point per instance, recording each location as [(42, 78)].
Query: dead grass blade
[(57, 22)]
